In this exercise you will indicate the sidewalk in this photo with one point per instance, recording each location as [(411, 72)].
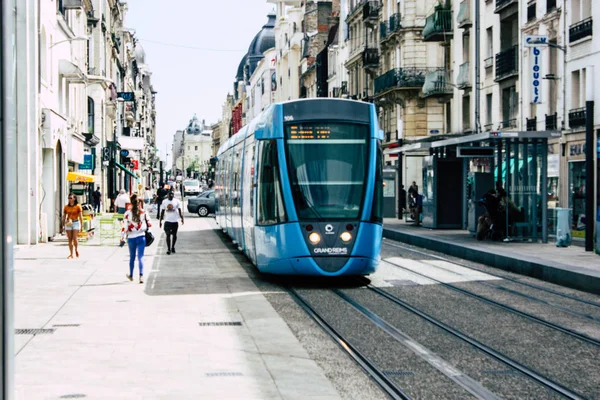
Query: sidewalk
[(567, 266), (197, 329)]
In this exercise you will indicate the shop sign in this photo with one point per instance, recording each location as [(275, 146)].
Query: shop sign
[(553, 165), (88, 162), (577, 150), (536, 75)]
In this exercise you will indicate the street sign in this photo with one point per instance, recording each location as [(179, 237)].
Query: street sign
[(88, 162), (536, 41), (126, 96), (124, 153)]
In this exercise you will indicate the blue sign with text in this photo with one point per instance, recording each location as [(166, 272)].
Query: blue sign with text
[(88, 162)]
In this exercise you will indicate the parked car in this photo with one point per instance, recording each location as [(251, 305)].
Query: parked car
[(191, 187), (203, 204)]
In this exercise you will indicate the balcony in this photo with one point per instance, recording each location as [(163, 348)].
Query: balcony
[(464, 14), (577, 118), (438, 84), (371, 12), (488, 62), (507, 64), (388, 29), (581, 30), (552, 122), (412, 78), (438, 27), (509, 123), (532, 124), (359, 5), (370, 59), (503, 4), (464, 76)]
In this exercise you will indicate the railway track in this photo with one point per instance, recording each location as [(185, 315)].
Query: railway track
[(459, 378)]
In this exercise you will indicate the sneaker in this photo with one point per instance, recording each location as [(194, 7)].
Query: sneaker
[(168, 251), (129, 277), (141, 279), (173, 250)]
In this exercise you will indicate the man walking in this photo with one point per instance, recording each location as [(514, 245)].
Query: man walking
[(161, 195), (170, 207), (97, 198)]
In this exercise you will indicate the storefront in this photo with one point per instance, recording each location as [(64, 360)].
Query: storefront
[(576, 186)]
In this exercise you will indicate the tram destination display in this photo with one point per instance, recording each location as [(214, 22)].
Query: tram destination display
[(310, 132)]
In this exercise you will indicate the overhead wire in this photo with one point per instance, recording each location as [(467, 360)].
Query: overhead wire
[(190, 47)]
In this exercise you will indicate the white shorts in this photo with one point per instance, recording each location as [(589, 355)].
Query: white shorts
[(76, 226)]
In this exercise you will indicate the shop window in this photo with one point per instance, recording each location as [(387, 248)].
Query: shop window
[(577, 196)]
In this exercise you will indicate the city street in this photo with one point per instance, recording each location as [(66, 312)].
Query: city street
[(206, 324)]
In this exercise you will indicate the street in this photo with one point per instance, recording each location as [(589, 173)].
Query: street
[(206, 324)]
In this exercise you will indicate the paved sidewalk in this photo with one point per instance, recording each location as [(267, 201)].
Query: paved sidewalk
[(568, 266), (115, 339)]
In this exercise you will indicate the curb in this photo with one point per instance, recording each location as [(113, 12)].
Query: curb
[(560, 274)]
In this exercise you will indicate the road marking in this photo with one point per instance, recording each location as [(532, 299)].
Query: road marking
[(443, 271)]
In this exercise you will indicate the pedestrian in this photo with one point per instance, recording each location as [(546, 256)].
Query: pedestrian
[(72, 222), (122, 201), (161, 195), (401, 202), (170, 208), (97, 198), (135, 225)]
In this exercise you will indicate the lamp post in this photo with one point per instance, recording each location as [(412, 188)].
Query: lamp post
[(70, 40), (589, 160)]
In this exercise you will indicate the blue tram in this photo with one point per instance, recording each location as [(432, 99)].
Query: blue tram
[(300, 189)]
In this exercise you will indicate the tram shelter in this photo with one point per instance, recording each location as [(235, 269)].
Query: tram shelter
[(459, 171)]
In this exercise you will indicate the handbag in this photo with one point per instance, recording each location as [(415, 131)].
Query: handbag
[(69, 222), (149, 235)]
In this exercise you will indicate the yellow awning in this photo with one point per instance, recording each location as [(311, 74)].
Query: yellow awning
[(79, 177)]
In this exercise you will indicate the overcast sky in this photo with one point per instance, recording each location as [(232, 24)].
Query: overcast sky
[(193, 48)]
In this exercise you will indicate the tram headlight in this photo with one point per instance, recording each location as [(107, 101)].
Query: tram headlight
[(314, 238), (346, 237)]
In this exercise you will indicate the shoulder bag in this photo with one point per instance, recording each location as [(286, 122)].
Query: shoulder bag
[(149, 235)]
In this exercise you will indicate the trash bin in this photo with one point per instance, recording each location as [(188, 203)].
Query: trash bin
[(563, 227)]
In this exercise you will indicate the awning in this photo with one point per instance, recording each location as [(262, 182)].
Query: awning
[(71, 72), (128, 172), (79, 177)]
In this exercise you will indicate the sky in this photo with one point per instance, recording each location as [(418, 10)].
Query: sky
[(193, 48)]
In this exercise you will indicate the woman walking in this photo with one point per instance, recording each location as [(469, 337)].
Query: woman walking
[(135, 225), (72, 222)]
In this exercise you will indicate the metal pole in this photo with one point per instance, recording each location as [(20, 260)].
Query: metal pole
[(8, 181), (477, 69), (544, 190), (589, 160)]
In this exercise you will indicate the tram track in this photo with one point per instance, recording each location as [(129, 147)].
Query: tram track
[(505, 307), (386, 384), (467, 383), (387, 242)]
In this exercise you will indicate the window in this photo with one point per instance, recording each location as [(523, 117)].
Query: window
[(490, 42), (91, 117), (488, 109), (449, 116), (270, 206), (196, 148), (531, 10), (466, 111), (509, 107), (575, 89), (188, 147), (466, 41)]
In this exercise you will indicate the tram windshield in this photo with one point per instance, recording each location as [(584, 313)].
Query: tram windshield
[(327, 167)]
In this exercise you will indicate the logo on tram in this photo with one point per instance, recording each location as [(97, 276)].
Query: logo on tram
[(331, 250), (329, 229)]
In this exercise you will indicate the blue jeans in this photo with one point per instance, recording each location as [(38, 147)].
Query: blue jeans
[(138, 245)]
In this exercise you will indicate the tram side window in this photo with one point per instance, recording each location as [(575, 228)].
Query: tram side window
[(271, 209), (377, 210)]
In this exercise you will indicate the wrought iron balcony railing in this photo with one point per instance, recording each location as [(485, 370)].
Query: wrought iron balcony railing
[(401, 78), (438, 26), (464, 76), (464, 14), (387, 29), (438, 83), (502, 4), (509, 123), (552, 122), (371, 11), (532, 124), (395, 22), (580, 30), (577, 117), (370, 58), (507, 63), (383, 30)]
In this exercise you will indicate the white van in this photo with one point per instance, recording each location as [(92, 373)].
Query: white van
[(191, 187)]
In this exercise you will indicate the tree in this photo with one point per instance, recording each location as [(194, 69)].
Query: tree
[(194, 166)]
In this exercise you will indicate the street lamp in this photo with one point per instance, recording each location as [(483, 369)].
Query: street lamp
[(70, 40)]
